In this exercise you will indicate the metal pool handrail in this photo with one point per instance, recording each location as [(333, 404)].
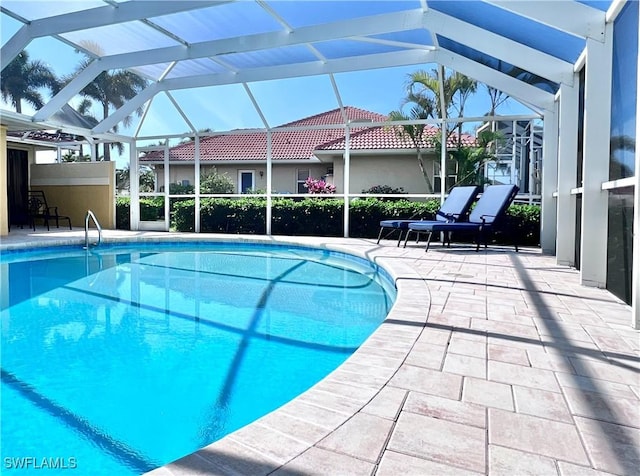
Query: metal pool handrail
[(86, 229)]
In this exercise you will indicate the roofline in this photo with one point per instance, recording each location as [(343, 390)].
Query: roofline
[(231, 161)]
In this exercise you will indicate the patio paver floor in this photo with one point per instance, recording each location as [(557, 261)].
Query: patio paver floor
[(493, 363)]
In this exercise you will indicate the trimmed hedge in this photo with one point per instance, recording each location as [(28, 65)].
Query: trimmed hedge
[(315, 216), (150, 209)]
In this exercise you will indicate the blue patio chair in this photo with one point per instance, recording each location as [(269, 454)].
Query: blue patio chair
[(489, 209), (455, 208)]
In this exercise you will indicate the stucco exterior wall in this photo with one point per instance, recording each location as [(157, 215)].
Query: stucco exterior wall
[(284, 175), (399, 171), (366, 171), (395, 171), (77, 187)]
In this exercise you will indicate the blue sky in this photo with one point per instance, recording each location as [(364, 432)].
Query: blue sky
[(229, 107)]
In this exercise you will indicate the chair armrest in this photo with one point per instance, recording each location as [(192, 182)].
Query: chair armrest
[(449, 216), (55, 211)]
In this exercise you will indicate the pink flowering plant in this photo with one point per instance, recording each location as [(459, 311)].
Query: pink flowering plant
[(319, 186)]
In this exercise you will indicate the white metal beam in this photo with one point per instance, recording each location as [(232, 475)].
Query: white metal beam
[(314, 68), (569, 16), (69, 91), (181, 112), (14, 46), (373, 25), (377, 24), (128, 108), (511, 86), (256, 105), (517, 54), (93, 18)]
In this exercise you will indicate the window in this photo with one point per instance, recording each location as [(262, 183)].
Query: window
[(246, 180), (623, 143), (302, 176), (451, 179), (624, 93), (581, 90)]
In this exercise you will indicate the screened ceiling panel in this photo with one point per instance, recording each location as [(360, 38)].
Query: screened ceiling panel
[(120, 38), (419, 38), (299, 14), (222, 21), (152, 72), (515, 27), (271, 57), (37, 9), (195, 44), (195, 67), (602, 5), (498, 65), (348, 48)]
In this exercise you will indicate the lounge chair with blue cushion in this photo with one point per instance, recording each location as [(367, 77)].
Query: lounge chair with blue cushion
[(455, 208), (489, 210)]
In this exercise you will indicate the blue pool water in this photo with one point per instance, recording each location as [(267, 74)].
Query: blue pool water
[(127, 357)]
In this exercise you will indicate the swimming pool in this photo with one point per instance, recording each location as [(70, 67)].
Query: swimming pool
[(127, 357)]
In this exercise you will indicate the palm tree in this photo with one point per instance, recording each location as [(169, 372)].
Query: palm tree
[(22, 79), (415, 133), (496, 98), (457, 88), (471, 160), (111, 89), (423, 94)]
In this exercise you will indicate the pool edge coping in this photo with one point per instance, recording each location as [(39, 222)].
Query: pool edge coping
[(248, 444)]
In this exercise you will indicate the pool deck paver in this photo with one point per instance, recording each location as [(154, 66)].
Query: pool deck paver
[(495, 363)]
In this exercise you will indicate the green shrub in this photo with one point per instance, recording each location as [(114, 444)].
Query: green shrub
[(365, 214), (151, 208), (316, 216), (380, 189), (179, 189), (308, 217), (123, 213), (213, 182)]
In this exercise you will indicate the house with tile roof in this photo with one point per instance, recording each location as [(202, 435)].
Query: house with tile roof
[(310, 147)]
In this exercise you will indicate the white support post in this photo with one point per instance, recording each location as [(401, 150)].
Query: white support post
[(515, 138), (443, 148), (530, 171), (167, 185), (549, 215), (134, 187), (567, 171), (597, 129), (347, 178), (269, 213), (196, 180)]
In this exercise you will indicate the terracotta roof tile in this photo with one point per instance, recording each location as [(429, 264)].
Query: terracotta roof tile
[(375, 138), (298, 145)]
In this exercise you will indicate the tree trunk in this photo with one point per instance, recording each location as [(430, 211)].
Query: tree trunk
[(423, 169), (106, 145)]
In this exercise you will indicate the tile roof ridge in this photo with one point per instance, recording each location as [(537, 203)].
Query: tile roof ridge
[(347, 109)]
